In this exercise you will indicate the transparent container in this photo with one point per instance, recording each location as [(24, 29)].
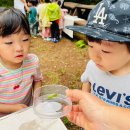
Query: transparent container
[(51, 102)]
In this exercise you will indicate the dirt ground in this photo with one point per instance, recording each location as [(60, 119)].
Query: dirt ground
[(61, 63)]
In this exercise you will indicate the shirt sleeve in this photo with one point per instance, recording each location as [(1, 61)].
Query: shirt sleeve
[(33, 63), (38, 75), (85, 75)]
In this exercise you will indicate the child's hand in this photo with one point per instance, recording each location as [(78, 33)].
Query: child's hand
[(50, 23), (10, 108), (24, 1), (18, 107)]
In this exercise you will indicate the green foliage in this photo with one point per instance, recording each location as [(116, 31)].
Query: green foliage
[(6, 3), (84, 1), (66, 121), (81, 44)]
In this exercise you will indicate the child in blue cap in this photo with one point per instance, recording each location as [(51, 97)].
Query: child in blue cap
[(107, 74)]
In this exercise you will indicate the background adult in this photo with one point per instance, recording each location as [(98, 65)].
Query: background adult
[(19, 4)]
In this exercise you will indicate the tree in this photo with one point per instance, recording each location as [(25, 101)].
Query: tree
[(6, 3)]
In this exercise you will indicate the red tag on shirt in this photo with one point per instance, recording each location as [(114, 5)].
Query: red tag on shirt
[(17, 86)]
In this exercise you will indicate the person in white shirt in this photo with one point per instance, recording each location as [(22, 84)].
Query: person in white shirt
[(19, 4)]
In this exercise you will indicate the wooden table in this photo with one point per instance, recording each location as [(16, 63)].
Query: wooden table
[(83, 6), (76, 9), (83, 10), (70, 6)]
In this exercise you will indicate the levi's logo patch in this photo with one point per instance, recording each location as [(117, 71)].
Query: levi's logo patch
[(100, 15)]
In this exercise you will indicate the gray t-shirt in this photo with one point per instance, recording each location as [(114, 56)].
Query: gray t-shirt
[(114, 90)]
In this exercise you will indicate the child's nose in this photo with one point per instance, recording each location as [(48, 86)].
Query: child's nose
[(18, 47)]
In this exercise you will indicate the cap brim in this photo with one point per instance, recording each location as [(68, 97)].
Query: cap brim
[(98, 33)]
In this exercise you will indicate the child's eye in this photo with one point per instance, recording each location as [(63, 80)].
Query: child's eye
[(105, 51), (9, 43), (26, 39), (90, 46)]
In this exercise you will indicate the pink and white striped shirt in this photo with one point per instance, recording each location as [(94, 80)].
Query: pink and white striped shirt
[(16, 85)]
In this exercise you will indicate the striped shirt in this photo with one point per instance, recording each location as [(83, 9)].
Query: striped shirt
[(16, 85)]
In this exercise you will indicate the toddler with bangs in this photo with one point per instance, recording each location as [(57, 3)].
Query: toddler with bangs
[(107, 74), (19, 71)]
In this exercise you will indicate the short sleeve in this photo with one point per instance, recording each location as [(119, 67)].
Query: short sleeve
[(32, 62), (38, 75), (86, 73)]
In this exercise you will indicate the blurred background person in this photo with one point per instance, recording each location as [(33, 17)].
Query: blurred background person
[(19, 4), (44, 21), (54, 13), (30, 7)]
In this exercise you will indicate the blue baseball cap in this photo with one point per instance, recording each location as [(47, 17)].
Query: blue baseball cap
[(109, 20)]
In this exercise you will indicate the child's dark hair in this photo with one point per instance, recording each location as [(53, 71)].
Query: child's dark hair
[(47, 1), (59, 3), (12, 21), (33, 2), (99, 40)]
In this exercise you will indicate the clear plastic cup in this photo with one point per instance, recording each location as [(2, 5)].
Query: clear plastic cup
[(51, 102)]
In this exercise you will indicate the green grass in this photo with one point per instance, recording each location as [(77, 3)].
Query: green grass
[(62, 71), (53, 77)]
